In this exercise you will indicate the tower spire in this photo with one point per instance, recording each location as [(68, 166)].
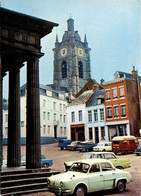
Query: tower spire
[(70, 22), (57, 38), (85, 38)]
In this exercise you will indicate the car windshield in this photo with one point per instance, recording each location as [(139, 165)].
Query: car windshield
[(87, 156), (100, 144), (43, 157), (80, 167)]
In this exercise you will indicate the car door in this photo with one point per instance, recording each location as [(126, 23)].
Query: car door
[(95, 178), (109, 175)]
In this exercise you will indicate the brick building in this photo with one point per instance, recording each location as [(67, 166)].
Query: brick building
[(122, 105)]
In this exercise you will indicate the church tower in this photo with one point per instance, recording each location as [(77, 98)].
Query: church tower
[(71, 60)]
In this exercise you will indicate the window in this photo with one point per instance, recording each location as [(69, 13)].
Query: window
[(6, 131), (109, 112), (101, 114), (80, 64), (108, 95), (49, 129), (64, 118), (60, 117), (44, 115), (114, 93), (6, 117), (60, 107), (95, 168), (54, 105), (64, 69), (48, 115), (61, 130), (55, 116), (80, 115), (44, 129), (123, 110), (44, 103), (73, 117), (64, 130), (116, 111), (89, 116), (95, 115), (106, 166), (121, 91), (22, 123), (109, 156)]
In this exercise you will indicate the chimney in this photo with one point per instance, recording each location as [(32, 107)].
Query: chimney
[(134, 73)]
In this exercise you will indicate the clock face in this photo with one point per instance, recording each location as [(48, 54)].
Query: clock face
[(63, 52), (80, 52)]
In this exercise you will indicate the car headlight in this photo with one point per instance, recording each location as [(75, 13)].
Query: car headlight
[(48, 181), (61, 184)]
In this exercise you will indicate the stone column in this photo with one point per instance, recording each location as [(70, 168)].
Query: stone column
[(33, 148), (14, 148)]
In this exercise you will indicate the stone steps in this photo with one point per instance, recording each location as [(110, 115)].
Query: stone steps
[(25, 181)]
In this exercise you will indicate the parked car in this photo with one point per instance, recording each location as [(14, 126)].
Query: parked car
[(120, 163), (86, 146), (44, 161), (138, 150), (63, 143), (73, 145), (88, 176), (103, 146), (124, 144)]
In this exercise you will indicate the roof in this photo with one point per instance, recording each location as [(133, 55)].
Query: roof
[(119, 138), (98, 94), (92, 161), (120, 76), (25, 22), (83, 98)]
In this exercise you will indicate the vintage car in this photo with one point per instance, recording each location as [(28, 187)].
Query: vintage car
[(103, 146), (86, 146), (138, 150), (44, 161), (63, 143), (87, 176), (73, 145), (120, 163)]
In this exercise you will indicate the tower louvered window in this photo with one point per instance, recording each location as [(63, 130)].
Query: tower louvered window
[(80, 64), (64, 69)]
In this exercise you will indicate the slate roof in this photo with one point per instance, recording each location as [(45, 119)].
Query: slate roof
[(97, 94), (83, 98)]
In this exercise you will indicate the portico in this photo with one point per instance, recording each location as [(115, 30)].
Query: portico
[(20, 42)]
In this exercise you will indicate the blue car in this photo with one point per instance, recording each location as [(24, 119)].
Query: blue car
[(86, 146), (44, 162), (63, 143)]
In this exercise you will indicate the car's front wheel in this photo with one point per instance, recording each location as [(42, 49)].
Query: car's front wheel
[(80, 191), (121, 185)]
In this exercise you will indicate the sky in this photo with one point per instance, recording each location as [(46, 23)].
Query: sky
[(112, 28)]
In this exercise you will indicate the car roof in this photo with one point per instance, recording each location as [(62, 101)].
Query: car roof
[(99, 153), (118, 138), (92, 161)]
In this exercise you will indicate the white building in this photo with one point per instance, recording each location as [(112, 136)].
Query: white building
[(95, 112), (53, 118), (77, 119), (86, 117)]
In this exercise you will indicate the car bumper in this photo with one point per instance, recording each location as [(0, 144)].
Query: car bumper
[(58, 190)]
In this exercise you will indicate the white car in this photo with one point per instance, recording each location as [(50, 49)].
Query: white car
[(103, 147), (88, 175)]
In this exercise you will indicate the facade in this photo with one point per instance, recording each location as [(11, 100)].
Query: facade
[(76, 113), (122, 108), (95, 115), (71, 61), (53, 118)]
